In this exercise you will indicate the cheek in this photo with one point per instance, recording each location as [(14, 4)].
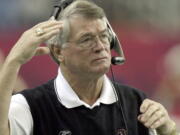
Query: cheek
[(75, 58), (108, 52)]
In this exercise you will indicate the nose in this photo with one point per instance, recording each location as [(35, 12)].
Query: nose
[(99, 46)]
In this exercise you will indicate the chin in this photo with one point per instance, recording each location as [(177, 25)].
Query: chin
[(100, 70)]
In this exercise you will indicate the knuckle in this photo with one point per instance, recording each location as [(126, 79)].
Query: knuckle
[(161, 120), (159, 113), (159, 105), (147, 124), (156, 114), (42, 39), (153, 108), (146, 100), (40, 23), (156, 124), (143, 119), (26, 32), (147, 115)]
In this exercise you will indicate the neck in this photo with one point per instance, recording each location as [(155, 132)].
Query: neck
[(87, 89)]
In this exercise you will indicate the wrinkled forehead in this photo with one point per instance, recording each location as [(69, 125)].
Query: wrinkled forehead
[(80, 25)]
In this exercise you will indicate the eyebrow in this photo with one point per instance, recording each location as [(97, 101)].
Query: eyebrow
[(90, 33)]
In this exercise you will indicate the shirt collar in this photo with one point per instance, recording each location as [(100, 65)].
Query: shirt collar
[(69, 98)]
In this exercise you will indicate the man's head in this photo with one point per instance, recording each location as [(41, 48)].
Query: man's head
[(84, 40)]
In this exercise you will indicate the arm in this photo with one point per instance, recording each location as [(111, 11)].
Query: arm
[(20, 84), (155, 116), (26, 47)]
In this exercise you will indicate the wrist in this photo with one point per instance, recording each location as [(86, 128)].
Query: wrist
[(13, 62), (173, 130), (170, 130), (10, 66)]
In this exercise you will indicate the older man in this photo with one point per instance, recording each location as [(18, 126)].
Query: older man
[(81, 100)]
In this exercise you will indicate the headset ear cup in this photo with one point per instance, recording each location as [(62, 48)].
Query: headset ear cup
[(112, 44), (54, 58), (111, 37), (55, 54)]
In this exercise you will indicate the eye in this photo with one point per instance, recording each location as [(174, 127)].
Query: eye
[(104, 37), (85, 39)]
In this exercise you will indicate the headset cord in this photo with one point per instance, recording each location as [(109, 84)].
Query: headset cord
[(117, 93)]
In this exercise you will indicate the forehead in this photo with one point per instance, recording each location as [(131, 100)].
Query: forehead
[(80, 25)]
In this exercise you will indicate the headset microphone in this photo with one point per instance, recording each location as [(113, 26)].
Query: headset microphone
[(115, 44)]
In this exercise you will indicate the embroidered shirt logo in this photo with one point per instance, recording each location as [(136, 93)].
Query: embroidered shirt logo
[(121, 132), (65, 132)]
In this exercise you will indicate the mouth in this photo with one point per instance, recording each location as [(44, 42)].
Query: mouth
[(100, 59)]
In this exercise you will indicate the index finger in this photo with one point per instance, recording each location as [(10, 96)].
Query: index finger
[(48, 23), (145, 105)]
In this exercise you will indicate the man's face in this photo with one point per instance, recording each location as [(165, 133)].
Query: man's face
[(88, 51)]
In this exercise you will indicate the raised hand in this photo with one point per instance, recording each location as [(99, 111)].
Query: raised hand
[(28, 44), (26, 47)]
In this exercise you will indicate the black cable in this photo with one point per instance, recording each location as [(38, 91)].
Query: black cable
[(117, 93)]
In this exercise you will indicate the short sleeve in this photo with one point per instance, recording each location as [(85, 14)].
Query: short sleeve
[(20, 118)]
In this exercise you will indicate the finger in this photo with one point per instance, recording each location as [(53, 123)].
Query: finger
[(47, 24), (158, 123), (49, 35), (42, 51), (52, 23), (156, 116), (144, 106), (52, 18), (47, 30), (149, 112), (50, 29)]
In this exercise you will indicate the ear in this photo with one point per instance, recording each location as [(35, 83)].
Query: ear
[(56, 52)]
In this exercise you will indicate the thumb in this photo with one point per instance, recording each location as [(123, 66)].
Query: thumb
[(42, 51)]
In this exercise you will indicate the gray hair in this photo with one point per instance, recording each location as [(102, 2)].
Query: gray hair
[(83, 8)]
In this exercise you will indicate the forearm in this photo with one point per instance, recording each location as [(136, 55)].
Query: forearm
[(8, 75)]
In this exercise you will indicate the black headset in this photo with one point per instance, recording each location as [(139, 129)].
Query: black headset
[(115, 44)]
